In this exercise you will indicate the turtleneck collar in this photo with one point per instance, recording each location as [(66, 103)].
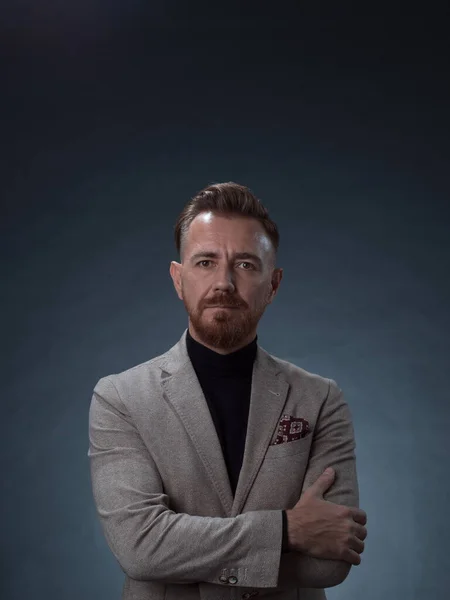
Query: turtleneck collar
[(203, 358)]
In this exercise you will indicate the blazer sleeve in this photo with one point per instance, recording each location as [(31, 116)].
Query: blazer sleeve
[(333, 446), (150, 541)]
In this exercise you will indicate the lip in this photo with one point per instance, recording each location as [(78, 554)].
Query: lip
[(222, 306)]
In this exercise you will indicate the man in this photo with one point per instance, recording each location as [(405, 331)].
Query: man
[(208, 462)]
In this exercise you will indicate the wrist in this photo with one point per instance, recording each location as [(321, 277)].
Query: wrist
[(293, 529), (289, 531)]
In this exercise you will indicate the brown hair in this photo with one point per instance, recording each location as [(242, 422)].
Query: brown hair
[(227, 199)]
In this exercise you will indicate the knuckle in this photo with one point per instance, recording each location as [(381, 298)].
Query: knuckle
[(359, 515), (343, 554)]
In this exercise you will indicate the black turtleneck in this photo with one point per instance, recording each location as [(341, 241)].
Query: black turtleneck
[(226, 381)]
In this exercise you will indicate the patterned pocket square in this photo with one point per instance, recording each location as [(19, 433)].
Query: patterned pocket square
[(291, 428)]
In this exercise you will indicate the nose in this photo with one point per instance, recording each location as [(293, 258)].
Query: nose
[(224, 280)]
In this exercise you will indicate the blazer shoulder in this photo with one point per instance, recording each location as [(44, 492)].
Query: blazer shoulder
[(134, 374), (313, 388), (296, 375)]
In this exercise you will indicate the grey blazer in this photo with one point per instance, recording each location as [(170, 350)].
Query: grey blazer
[(162, 492)]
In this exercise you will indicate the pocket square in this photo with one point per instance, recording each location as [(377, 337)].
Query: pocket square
[(291, 428)]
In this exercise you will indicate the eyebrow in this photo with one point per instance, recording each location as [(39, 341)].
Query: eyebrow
[(240, 255)]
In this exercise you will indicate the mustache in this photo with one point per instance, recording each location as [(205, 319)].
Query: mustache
[(225, 302)]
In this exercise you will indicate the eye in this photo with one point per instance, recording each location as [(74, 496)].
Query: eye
[(203, 261), (247, 263)]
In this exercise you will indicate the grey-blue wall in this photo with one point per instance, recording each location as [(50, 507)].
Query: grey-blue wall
[(114, 117)]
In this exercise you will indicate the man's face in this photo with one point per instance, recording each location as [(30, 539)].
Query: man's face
[(226, 279)]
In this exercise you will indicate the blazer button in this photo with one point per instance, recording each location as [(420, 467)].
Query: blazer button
[(223, 579), (232, 579), (249, 595)]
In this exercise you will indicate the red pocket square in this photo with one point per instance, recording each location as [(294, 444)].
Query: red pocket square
[(291, 428)]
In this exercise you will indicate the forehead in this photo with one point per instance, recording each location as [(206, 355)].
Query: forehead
[(212, 231)]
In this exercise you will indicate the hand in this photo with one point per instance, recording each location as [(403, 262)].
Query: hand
[(324, 529)]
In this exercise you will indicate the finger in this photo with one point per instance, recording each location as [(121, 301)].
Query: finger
[(359, 516), (357, 545), (359, 531), (322, 483), (352, 557)]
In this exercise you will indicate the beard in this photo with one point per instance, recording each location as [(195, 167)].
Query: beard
[(224, 328)]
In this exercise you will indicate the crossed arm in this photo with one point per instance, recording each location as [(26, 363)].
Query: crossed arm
[(151, 542)]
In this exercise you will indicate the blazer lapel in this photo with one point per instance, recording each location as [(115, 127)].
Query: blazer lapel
[(267, 399), (268, 396), (182, 389)]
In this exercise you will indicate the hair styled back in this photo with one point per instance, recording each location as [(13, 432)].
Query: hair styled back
[(225, 199)]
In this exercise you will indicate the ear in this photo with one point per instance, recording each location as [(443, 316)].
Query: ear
[(277, 276), (175, 273)]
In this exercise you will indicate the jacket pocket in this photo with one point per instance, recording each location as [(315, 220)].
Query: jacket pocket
[(289, 448)]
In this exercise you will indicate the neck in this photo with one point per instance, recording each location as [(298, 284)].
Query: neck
[(217, 349)]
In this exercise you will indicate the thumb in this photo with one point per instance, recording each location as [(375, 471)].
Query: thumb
[(323, 482)]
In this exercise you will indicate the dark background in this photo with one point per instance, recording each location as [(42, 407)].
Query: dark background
[(113, 115)]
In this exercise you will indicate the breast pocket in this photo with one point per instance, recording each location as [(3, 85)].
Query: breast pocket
[(278, 484), (289, 448)]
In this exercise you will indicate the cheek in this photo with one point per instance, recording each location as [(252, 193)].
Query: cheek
[(192, 291), (263, 293), (259, 297), (265, 298)]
